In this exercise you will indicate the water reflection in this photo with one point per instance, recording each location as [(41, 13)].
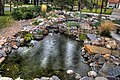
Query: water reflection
[(54, 52)]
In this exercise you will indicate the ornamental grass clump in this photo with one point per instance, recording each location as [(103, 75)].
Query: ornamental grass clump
[(106, 27)]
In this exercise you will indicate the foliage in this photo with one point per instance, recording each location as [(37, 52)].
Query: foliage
[(27, 12), (106, 27), (6, 20), (116, 21), (82, 36), (28, 36), (108, 11), (105, 33)]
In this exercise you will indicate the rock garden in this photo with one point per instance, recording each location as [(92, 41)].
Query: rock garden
[(99, 50)]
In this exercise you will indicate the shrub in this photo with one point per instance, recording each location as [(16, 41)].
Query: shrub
[(27, 12), (106, 27)]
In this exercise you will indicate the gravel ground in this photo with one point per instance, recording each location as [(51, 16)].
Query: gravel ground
[(14, 28)]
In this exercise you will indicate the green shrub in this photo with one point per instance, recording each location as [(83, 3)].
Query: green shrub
[(105, 33), (27, 12), (116, 21)]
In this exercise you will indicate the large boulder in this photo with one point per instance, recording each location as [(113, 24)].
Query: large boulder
[(109, 69)]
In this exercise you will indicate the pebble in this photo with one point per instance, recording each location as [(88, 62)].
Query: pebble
[(77, 76), (70, 71), (92, 74)]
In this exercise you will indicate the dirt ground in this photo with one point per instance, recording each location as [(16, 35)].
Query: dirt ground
[(14, 28)]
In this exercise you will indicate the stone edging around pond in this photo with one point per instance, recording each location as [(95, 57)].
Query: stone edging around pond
[(39, 32)]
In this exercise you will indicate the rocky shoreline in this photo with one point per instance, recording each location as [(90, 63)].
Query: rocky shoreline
[(105, 64)]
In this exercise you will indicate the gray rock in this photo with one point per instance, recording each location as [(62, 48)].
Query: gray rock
[(111, 77), (7, 49), (38, 37), (2, 53), (86, 78), (54, 78), (100, 78), (110, 69), (101, 60)]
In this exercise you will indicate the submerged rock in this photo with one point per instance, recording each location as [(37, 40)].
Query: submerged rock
[(86, 78), (54, 78), (77, 76)]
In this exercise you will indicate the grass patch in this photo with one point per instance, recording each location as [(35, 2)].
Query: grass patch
[(108, 11), (5, 20)]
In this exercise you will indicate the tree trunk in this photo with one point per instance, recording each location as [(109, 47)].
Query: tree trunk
[(101, 7), (37, 2), (10, 5), (26, 1), (79, 7), (1, 7), (34, 2)]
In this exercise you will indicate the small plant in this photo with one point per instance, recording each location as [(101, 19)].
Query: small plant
[(28, 36), (82, 36)]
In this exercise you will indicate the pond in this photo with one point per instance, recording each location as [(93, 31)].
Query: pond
[(51, 56)]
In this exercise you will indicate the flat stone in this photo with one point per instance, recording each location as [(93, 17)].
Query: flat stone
[(110, 69), (95, 49), (100, 78)]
